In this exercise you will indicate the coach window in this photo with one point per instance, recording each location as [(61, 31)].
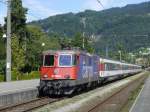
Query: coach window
[(126, 67), (109, 66), (106, 67), (49, 60), (114, 66), (117, 66)]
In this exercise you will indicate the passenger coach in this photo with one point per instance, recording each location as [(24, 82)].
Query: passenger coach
[(110, 68)]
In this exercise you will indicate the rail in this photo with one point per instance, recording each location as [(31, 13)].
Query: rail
[(115, 102), (30, 105)]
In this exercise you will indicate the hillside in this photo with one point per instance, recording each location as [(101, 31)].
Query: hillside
[(128, 26)]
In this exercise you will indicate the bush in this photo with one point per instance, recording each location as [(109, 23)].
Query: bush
[(20, 76), (1, 78), (2, 66), (32, 75), (27, 76)]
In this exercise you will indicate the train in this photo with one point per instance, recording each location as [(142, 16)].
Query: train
[(64, 72)]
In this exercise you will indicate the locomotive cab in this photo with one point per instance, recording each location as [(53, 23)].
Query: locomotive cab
[(59, 65)]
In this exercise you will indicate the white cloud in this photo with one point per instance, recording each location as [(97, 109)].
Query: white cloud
[(92, 4), (3, 12), (2, 18), (37, 10)]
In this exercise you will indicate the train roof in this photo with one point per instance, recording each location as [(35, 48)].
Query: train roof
[(66, 51), (109, 61), (59, 51), (83, 52), (117, 62)]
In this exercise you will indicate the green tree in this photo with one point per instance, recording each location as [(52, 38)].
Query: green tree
[(18, 19), (120, 49), (37, 42), (2, 46), (18, 31), (1, 31), (2, 51), (65, 42), (89, 44), (78, 42), (18, 56)]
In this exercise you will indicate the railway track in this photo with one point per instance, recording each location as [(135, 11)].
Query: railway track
[(116, 101), (30, 105)]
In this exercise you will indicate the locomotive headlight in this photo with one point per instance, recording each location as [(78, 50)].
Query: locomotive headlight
[(56, 71), (45, 76)]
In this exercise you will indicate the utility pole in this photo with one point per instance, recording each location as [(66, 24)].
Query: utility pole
[(8, 48), (83, 46), (84, 26), (106, 51), (120, 54)]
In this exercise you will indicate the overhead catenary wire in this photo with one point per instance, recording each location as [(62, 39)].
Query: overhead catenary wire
[(33, 15), (101, 4)]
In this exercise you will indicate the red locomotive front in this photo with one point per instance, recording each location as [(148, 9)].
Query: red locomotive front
[(59, 65)]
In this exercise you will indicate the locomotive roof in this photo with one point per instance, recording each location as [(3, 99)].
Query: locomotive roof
[(83, 52), (66, 52), (61, 51)]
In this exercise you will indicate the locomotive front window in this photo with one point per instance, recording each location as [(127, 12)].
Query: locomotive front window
[(49, 60), (65, 60)]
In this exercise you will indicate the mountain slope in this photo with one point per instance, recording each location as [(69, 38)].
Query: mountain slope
[(128, 26)]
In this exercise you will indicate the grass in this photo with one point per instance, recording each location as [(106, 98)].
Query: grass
[(133, 97), (26, 76), (1, 78)]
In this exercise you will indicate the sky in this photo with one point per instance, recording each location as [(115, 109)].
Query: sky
[(39, 9)]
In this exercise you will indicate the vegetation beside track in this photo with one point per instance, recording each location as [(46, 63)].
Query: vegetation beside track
[(1, 78), (25, 76), (133, 97)]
